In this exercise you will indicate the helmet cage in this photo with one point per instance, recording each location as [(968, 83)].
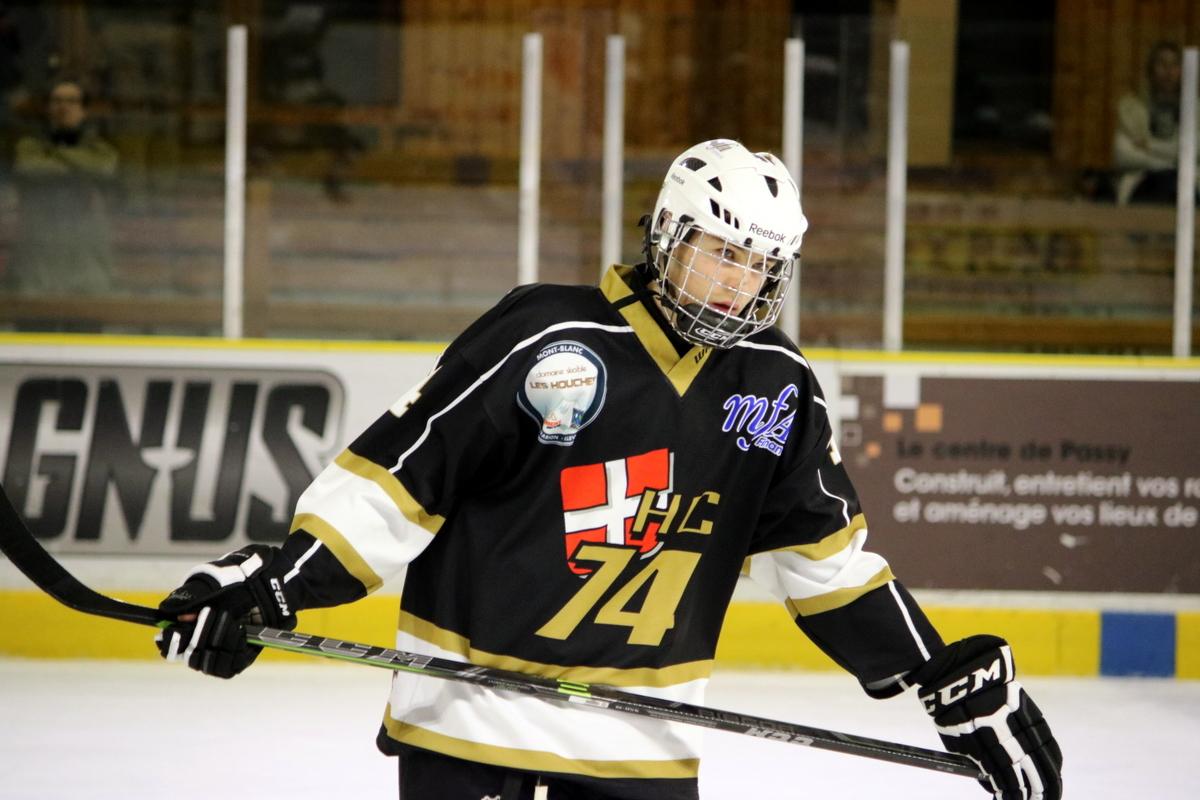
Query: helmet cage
[(707, 305)]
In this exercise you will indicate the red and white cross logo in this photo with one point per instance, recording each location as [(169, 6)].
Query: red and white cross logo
[(600, 502)]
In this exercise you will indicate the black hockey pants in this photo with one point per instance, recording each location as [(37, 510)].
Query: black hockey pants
[(425, 775)]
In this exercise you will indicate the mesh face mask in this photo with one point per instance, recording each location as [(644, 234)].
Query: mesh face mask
[(717, 290)]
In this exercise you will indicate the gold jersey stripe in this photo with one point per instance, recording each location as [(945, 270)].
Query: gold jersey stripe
[(680, 370), (804, 607), (413, 511), (610, 676), (535, 760), (832, 544), (342, 550)]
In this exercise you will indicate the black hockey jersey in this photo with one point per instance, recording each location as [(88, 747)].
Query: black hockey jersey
[(575, 496)]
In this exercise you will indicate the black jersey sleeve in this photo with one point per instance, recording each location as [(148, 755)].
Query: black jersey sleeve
[(811, 497), (810, 552), (879, 637), (385, 497)]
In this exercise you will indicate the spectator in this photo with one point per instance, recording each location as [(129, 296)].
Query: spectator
[(1146, 144), (63, 234)]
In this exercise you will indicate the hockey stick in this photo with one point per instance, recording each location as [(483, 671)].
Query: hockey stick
[(19, 544)]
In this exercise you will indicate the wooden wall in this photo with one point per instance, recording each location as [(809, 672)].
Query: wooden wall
[(1100, 53), (694, 69), (702, 68), (931, 29)]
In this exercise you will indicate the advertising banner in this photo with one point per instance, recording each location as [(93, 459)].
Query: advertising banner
[(161, 451), (1032, 483)]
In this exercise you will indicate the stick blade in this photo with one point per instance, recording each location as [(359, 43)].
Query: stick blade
[(27, 554)]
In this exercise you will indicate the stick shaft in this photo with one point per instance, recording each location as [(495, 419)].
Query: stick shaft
[(19, 544), (607, 697)]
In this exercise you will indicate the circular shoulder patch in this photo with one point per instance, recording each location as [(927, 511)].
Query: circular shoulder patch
[(564, 391)]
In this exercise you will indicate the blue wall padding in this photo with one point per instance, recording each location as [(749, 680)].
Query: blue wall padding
[(1137, 644)]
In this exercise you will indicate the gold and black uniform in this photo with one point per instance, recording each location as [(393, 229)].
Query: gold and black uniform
[(574, 493)]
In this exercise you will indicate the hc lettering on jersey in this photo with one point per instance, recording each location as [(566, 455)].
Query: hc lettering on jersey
[(629, 502), (764, 423), (563, 391)]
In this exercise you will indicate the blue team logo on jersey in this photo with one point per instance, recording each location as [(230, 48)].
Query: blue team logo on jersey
[(564, 391), (763, 422)]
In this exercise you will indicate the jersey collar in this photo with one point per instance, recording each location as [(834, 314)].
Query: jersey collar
[(617, 285)]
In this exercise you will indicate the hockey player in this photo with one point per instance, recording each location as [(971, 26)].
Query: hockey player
[(574, 491)]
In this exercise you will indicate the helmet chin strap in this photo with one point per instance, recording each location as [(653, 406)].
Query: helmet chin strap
[(696, 322), (713, 326)]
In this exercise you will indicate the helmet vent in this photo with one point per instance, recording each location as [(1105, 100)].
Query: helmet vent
[(723, 214), (772, 185), (694, 164), (715, 183)]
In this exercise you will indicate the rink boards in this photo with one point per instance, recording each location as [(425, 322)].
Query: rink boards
[(1063, 491), (756, 634)]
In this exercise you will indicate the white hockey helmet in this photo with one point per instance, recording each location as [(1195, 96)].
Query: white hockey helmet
[(736, 286)]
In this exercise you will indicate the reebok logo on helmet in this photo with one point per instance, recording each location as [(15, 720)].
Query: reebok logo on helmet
[(767, 232)]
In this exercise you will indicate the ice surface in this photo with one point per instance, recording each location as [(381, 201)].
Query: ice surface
[(132, 730)]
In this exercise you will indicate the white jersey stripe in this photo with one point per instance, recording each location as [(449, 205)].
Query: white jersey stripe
[(510, 720), (842, 500), (790, 575), (908, 621), (799, 359), (560, 326), (366, 516), (300, 561)]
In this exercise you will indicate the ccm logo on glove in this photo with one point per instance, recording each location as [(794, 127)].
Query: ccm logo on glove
[(280, 597), (999, 671)]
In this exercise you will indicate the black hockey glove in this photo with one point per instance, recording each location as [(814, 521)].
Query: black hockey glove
[(982, 712), (244, 587)]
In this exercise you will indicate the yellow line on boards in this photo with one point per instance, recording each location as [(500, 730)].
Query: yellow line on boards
[(1002, 359), (213, 343), (818, 354)]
